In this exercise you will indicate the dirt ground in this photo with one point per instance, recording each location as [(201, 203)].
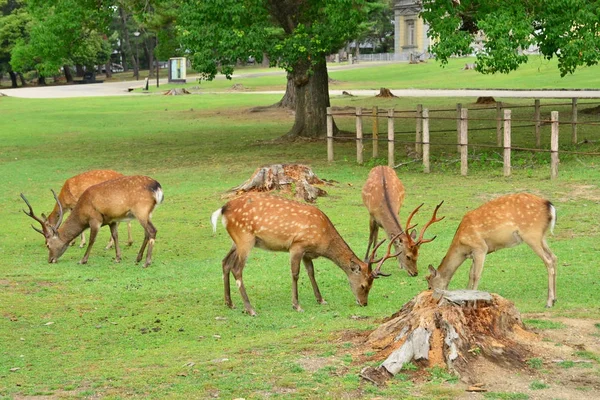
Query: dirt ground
[(564, 364)]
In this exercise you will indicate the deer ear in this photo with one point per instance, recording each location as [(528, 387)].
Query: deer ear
[(432, 271), (354, 267), (413, 234)]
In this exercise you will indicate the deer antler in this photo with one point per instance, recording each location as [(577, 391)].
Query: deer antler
[(406, 229), (32, 215), (60, 211), (433, 219), (376, 273)]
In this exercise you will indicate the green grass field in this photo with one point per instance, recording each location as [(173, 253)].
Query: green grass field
[(119, 331)]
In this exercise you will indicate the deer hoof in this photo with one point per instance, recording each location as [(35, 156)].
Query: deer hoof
[(298, 308), (322, 301)]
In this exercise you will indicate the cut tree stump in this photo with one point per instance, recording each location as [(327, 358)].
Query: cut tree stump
[(176, 92), (449, 329), (296, 178), (385, 92), (485, 100)]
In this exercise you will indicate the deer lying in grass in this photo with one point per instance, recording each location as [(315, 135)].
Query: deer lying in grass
[(277, 224), (106, 203), (74, 187), (501, 223), (383, 195)]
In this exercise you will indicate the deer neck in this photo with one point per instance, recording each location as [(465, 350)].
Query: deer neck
[(454, 257), (340, 253), (71, 228)]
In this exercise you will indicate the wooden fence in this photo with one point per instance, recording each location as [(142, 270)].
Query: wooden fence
[(503, 121)]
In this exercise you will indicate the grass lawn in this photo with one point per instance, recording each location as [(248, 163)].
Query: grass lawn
[(120, 331)]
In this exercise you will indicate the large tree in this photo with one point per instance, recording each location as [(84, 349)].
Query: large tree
[(566, 29), (295, 35)]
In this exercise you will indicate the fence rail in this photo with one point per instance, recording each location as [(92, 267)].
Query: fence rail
[(422, 133)]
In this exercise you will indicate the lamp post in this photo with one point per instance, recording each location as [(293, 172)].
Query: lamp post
[(137, 56)]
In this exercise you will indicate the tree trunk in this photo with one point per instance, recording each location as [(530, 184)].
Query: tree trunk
[(22, 78), (289, 98), (150, 46), (79, 71), (312, 99), (13, 79), (41, 80), (108, 67), (68, 74)]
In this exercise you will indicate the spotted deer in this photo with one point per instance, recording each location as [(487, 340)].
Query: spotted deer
[(107, 203), (74, 187), (501, 223), (277, 224), (383, 195)]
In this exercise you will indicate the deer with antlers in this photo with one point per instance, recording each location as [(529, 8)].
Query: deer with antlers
[(74, 187), (277, 224), (501, 223), (106, 203), (383, 195)]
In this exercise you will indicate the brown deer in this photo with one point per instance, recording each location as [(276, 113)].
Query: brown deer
[(501, 223), (74, 187), (383, 195), (107, 203), (277, 224)]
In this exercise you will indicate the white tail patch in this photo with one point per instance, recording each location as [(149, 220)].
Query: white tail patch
[(214, 218), (159, 196), (552, 218)]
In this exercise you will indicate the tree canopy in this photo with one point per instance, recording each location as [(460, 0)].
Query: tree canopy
[(295, 35), (566, 29)]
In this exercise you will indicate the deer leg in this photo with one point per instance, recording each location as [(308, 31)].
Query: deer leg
[(237, 268), (550, 260), (310, 269), (82, 242), (295, 257), (149, 238), (114, 236), (476, 269), (129, 237), (373, 231), (94, 228), (228, 261)]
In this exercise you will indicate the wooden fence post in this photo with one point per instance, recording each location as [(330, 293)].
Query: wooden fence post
[(574, 120), (418, 130), (507, 142), (391, 138), (464, 140), (458, 120), (554, 145), (499, 123), (538, 124), (359, 136), (425, 115), (329, 135), (375, 132)]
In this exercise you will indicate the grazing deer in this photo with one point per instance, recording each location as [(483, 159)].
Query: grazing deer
[(501, 223), (383, 195), (74, 187), (277, 224), (107, 203)]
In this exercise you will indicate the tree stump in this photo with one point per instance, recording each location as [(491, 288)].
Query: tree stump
[(386, 93), (485, 100), (449, 333), (176, 92), (296, 178)]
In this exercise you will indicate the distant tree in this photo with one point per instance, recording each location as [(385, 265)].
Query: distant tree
[(295, 35), (378, 28), (63, 33), (13, 27), (568, 30)]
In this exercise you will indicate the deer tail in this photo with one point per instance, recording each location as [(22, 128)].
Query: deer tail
[(215, 217), (552, 218)]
